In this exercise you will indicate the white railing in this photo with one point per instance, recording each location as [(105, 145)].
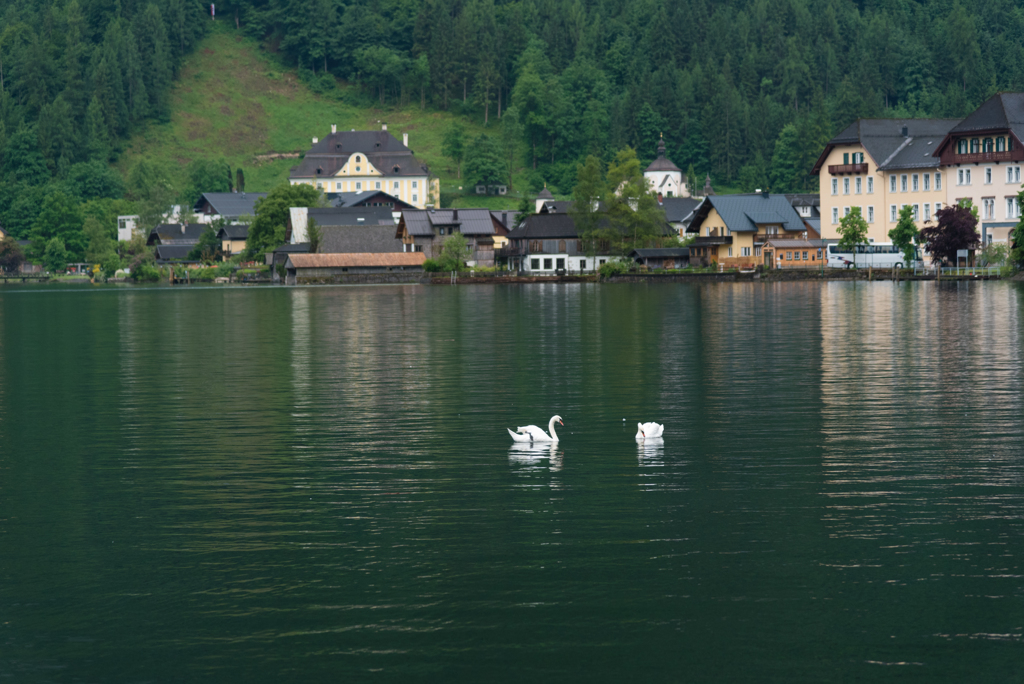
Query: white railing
[(959, 270)]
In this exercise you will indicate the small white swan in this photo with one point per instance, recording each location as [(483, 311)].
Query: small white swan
[(532, 433), (649, 431)]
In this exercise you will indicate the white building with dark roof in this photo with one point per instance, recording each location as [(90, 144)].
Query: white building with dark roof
[(666, 179), (358, 161)]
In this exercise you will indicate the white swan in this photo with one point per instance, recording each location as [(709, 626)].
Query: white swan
[(532, 433), (649, 431)]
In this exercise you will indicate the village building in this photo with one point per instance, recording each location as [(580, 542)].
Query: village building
[(665, 258), (679, 212), (367, 198), (426, 231), (665, 178), (983, 155), (334, 267), (880, 166), (547, 244), (230, 206), (357, 161), (232, 239), (732, 230), (297, 227)]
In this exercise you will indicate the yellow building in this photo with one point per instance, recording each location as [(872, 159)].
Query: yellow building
[(882, 165), (359, 161), (731, 230), (232, 239)]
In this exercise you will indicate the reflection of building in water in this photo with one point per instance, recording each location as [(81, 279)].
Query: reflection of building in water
[(908, 372)]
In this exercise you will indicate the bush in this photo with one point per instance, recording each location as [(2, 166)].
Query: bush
[(431, 266), (110, 265), (145, 273), (610, 268)]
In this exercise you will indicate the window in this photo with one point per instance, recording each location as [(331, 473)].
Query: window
[(1009, 144), (534, 264), (892, 213), (927, 210), (730, 251), (441, 230), (835, 215), (358, 159), (835, 186), (359, 186), (903, 183), (547, 264), (744, 251), (757, 251), (358, 169), (846, 186), (975, 145), (871, 214), (1012, 208), (560, 264), (396, 185), (938, 181), (892, 183), (938, 206), (961, 146), (986, 145), (319, 185), (917, 211), (377, 187), (871, 185), (857, 185), (805, 256), (913, 182), (583, 264), (414, 185), (414, 199), (988, 175), (1013, 174), (1000, 144), (963, 177), (927, 182), (988, 208), (789, 256)]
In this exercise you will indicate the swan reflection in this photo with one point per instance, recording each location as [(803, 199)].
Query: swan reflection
[(526, 454), (651, 452)]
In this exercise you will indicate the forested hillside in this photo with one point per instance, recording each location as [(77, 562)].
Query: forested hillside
[(77, 78), (744, 89)]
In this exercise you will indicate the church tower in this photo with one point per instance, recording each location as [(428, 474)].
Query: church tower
[(664, 177)]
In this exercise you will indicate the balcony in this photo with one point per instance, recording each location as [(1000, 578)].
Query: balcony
[(712, 240), (982, 157), (840, 169)]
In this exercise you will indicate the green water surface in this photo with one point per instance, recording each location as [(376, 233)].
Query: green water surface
[(316, 484)]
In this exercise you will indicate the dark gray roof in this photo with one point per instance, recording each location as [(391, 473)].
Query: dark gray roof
[(889, 148), (234, 232), (505, 218), (545, 194), (1001, 111), (545, 226), (359, 239), (804, 200), (231, 204), (176, 233), (421, 222), (173, 252), (366, 198), (289, 247), (382, 149), (352, 216), (660, 252), (678, 208), (742, 213)]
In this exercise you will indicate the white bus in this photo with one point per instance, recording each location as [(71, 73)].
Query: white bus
[(876, 255)]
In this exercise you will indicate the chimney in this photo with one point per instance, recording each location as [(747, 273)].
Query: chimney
[(334, 128), (405, 139), (455, 215), (764, 193), (504, 218), (905, 131), (384, 127), (316, 140)]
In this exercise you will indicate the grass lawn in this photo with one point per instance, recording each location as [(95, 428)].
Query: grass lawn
[(234, 100)]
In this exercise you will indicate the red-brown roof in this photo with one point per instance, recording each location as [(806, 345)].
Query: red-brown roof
[(357, 259)]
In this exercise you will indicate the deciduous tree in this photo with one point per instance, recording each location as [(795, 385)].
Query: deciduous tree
[(905, 234), (956, 228)]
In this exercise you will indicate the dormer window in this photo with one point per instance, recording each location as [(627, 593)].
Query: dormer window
[(377, 144), (396, 169), (975, 145), (1000, 144), (961, 146), (987, 145), (358, 159), (319, 171)]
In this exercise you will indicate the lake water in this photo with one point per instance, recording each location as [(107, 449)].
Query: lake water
[(288, 485)]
